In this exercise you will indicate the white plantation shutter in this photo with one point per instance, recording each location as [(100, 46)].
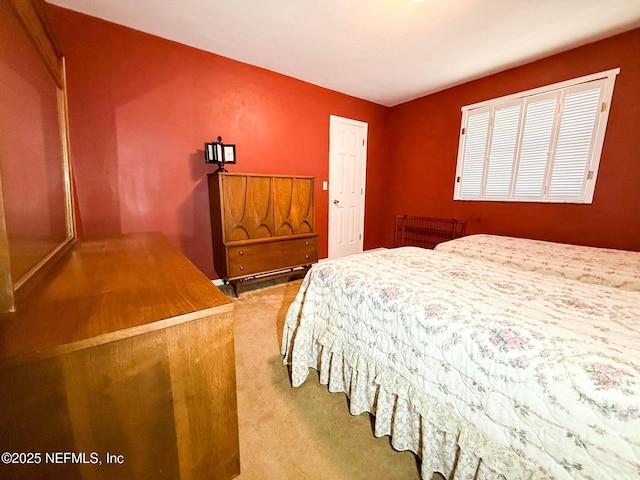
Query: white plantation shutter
[(576, 137), (536, 142), (475, 152), (543, 145), (506, 123)]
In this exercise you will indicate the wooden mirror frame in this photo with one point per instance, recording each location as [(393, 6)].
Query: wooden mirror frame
[(30, 15)]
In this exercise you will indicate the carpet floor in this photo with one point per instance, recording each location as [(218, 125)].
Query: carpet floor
[(298, 433)]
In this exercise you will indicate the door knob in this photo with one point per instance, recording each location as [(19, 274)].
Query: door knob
[(335, 202)]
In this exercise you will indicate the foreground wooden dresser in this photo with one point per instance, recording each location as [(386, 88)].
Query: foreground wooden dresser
[(261, 225), (124, 355)]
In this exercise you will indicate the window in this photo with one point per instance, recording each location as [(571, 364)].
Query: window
[(542, 145)]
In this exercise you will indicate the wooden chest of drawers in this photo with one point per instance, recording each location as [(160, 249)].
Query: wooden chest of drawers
[(261, 225)]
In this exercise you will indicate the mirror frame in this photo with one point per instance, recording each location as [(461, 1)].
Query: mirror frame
[(12, 292)]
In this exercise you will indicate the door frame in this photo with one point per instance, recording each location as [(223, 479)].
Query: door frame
[(333, 121)]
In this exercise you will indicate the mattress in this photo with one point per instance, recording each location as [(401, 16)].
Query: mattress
[(600, 266), (483, 371)]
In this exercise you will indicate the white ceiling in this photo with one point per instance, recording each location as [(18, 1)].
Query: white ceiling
[(385, 51)]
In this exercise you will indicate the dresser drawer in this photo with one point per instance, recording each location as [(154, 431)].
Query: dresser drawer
[(271, 256)]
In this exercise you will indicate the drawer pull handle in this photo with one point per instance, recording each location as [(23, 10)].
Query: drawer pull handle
[(306, 243), (241, 267), (240, 252), (306, 255)]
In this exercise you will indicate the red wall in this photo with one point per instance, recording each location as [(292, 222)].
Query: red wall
[(425, 134), (142, 107)]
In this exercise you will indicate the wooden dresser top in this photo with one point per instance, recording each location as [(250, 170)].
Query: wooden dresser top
[(105, 290)]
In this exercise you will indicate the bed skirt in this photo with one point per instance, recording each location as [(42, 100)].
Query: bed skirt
[(444, 442)]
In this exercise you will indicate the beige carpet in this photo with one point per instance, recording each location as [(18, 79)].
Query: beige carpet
[(298, 433)]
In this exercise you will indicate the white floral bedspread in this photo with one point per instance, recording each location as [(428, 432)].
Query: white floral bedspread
[(537, 376), (601, 266)]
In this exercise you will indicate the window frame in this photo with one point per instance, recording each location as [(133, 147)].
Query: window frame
[(525, 99)]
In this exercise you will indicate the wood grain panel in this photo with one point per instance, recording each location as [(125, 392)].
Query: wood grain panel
[(282, 205), (120, 402), (233, 199), (247, 205), (293, 205), (34, 417), (205, 407), (259, 207), (304, 205)]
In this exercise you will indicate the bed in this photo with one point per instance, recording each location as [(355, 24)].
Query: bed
[(483, 371), (601, 266)]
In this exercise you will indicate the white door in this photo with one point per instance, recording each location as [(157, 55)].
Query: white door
[(347, 173)]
